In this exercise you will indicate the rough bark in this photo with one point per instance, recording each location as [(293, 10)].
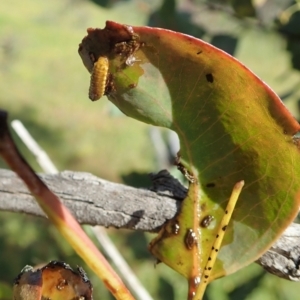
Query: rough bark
[(96, 201)]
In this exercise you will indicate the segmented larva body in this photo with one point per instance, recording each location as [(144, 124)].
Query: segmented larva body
[(98, 78)]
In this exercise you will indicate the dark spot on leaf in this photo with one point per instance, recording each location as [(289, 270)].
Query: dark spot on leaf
[(209, 268), (175, 228), (226, 211), (217, 236), (224, 227), (190, 239), (206, 276), (209, 78), (199, 52), (216, 250), (206, 221), (209, 258), (210, 185)]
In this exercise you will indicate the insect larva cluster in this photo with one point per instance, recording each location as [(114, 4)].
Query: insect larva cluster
[(98, 78)]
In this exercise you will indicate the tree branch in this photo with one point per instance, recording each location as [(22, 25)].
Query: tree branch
[(96, 201)]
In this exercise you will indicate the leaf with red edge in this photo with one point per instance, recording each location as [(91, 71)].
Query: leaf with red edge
[(231, 127)]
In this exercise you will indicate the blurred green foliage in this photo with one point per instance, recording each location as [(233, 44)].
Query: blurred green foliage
[(44, 84)]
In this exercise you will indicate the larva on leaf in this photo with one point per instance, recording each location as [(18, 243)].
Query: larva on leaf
[(98, 78)]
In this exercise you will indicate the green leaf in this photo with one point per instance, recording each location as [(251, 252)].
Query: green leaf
[(231, 126)]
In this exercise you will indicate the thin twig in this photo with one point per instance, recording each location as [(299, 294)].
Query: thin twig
[(111, 251)]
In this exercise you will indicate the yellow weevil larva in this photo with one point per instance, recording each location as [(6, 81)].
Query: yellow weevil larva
[(219, 238), (98, 78)]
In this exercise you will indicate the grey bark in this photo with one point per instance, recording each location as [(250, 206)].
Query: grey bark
[(96, 201)]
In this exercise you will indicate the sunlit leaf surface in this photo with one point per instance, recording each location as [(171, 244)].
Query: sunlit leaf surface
[(231, 126)]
